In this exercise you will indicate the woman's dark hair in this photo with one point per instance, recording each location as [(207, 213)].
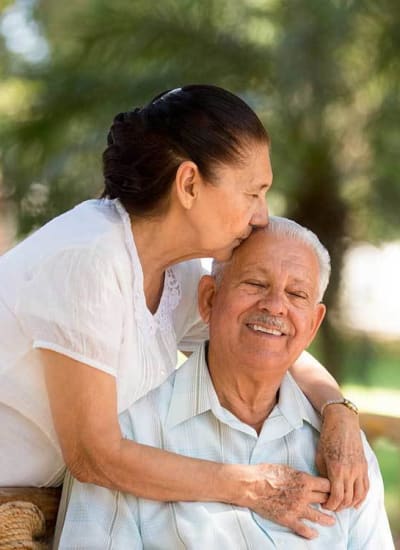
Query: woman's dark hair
[(201, 123)]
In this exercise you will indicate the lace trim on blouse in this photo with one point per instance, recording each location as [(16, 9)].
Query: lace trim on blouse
[(171, 295)]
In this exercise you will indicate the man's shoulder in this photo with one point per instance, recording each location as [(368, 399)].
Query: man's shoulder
[(155, 405), (294, 403)]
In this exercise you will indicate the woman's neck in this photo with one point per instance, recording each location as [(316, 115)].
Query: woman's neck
[(160, 243)]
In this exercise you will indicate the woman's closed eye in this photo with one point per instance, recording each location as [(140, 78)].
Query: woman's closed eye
[(257, 195)]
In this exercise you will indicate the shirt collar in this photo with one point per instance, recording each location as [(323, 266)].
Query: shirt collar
[(294, 406), (193, 394)]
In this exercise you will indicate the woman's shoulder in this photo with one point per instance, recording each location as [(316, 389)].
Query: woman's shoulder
[(91, 224), (86, 237)]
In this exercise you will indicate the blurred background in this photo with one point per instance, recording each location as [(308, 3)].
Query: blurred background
[(324, 76)]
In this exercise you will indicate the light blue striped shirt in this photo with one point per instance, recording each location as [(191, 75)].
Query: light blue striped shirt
[(184, 415)]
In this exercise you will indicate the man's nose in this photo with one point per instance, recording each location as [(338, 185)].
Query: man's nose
[(273, 302), (260, 216)]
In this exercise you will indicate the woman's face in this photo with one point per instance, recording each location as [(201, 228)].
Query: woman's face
[(229, 207)]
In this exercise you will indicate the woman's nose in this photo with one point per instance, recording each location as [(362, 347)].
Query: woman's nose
[(260, 216)]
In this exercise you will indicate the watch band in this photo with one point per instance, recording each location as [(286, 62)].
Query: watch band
[(346, 402)]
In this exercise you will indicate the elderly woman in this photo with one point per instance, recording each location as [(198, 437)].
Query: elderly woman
[(94, 305)]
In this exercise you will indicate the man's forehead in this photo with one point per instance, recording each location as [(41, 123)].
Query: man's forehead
[(255, 248), (258, 252), (298, 271)]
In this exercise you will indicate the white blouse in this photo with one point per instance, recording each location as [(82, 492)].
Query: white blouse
[(76, 287)]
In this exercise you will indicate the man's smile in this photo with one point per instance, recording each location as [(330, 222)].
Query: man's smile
[(265, 330), (265, 323)]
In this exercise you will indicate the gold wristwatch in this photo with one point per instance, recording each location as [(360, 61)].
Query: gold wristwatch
[(346, 402)]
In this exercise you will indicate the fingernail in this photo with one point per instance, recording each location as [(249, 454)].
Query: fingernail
[(331, 520)]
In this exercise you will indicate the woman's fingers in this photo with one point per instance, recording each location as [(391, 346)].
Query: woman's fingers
[(317, 516), (318, 497), (361, 487), (319, 484), (347, 491), (341, 455), (286, 496), (303, 530), (311, 514)]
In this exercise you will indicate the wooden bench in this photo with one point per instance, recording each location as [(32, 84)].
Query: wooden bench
[(379, 425)]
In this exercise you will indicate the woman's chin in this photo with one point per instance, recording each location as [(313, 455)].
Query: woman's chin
[(224, 254)]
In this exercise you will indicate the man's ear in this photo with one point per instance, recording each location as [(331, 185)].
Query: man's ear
[(206, 294), (319, 314), (187, 182)]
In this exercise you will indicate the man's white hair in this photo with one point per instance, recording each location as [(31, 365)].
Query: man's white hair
[(284, 227)]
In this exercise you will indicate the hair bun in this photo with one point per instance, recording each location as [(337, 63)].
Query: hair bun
[(120, 117)]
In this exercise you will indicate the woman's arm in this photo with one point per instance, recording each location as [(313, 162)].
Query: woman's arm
[(315, 381), (84, 408), (340, 453)]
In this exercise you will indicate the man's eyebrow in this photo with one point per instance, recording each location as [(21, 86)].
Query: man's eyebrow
[(261, 270), (253, 269), (305, 279)]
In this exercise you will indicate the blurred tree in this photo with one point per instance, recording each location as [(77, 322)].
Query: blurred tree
[(322, 75)]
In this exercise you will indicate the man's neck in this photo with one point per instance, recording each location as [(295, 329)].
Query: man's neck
[(249, 397)]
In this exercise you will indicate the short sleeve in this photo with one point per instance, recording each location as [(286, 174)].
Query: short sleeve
[(190, 328), (72, 304)]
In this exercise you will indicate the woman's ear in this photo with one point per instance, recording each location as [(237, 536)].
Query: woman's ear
[(206, 293), (187, 181)]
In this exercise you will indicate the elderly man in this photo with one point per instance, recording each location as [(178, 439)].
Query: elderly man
[(234, 401)]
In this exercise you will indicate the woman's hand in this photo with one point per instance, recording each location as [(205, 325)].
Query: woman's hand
[(285, 496), (340, 456)]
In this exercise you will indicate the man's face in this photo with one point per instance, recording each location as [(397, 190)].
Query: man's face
[(265, 311)]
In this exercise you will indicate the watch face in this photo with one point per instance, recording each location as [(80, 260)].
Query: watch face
[(350, 405)]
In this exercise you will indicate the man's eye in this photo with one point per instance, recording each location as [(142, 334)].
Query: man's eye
[(298, 294), (254, 283)]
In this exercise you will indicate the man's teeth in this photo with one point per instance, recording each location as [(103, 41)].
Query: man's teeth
[(272, 331)]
